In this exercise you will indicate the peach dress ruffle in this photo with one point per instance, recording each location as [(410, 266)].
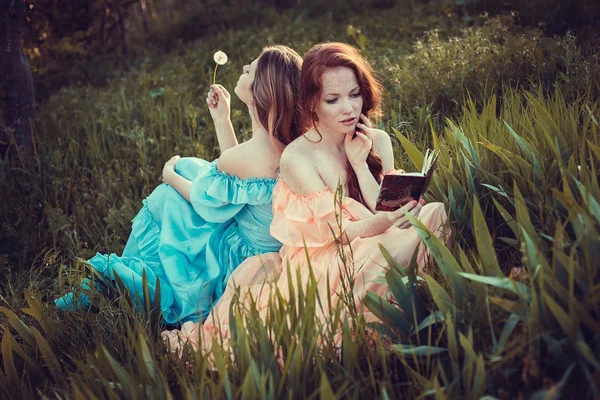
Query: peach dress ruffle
[(307, 220)]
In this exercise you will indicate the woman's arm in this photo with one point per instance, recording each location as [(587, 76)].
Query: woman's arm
[(218, 101), (302, 177), (368, 186), (357, 150), (381, 222), (175, 180)]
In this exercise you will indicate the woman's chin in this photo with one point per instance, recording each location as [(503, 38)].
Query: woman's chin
[(348, 129)]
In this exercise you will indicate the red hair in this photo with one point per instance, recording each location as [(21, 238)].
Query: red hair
[(317, 60)]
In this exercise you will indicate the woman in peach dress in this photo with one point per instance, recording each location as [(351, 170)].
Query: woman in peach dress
[(338, 92)]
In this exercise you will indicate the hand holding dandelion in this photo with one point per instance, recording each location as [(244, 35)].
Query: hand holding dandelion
[(220, 58), (218, 100)]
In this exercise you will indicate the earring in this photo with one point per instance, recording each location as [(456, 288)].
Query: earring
[(250, 101)]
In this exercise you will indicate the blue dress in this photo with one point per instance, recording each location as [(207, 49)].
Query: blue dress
[(191, 247)]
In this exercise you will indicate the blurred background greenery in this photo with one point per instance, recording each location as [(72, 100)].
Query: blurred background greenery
[(507, 90)]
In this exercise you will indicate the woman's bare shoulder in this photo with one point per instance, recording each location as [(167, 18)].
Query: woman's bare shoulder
[(382, 145), (298, 169), (249, 160)]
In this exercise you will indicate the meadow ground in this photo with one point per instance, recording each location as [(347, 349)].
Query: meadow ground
[(510, 311)]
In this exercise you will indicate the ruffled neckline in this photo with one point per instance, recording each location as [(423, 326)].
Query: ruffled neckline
[(238, 180), (308, 196), (212, 184)]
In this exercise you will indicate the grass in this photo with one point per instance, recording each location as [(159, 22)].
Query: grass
[(510, 311)]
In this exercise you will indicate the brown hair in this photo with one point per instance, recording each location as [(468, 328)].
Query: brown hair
[(275, 89), (317, 60)]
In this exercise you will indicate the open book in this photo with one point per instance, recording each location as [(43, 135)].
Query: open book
[(398, 189)]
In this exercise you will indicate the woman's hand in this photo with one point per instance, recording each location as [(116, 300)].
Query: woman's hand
[(398, 218), (358, 147), (169, 169), (218, 100)]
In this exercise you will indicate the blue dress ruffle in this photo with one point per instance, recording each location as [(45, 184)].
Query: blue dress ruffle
[(191, 247)]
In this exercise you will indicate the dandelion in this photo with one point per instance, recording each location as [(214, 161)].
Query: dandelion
[(220, 58)]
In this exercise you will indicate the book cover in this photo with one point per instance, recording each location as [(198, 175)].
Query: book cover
[(398, 189)]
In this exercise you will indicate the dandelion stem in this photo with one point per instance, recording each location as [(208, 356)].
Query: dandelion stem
[(215, 75)]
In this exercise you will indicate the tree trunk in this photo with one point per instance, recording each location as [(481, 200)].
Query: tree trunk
[(144, 7), (17, 82), (123, 27)]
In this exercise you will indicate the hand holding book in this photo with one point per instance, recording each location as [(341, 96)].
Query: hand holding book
[(398, 189)]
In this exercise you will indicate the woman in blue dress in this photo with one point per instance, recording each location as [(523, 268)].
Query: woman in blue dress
[(208, 217)]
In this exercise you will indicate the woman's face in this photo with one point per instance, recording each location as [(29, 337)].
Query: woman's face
[(243, 89), (340, 103)]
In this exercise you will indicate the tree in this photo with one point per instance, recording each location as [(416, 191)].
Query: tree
[(17, 82)]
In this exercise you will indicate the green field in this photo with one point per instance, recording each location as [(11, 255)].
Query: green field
[(510, 311)]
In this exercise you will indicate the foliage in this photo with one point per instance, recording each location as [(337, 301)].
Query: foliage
[(509, 311), (88, 42), (440, 73), (555, 16), (522, 186)]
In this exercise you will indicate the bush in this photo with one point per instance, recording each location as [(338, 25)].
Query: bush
[(440, 73), (556, 16), (518, 173)]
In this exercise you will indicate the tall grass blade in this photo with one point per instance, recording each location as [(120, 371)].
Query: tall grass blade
[(386, 312), (502, 283), (527, 149), (413, 153), (440, 296), (484, 242), (51, 360), (420, 351), (325, 391), (22, 329), (12, 377), (567, 323), (442, 255), (391, 261)]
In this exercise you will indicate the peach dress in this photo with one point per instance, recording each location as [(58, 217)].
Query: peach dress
[(301, 221)]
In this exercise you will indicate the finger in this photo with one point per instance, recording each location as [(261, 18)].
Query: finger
[(225, 92), (348, 138), (361, 135), (220, 92), (365, 120), (416, 210), (402, 223), (364, 138), (410, 206), (399, 213), (366, 130), (369, 134)]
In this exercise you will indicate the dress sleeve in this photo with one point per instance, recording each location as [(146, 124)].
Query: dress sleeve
[(218, 196), (309, 220)]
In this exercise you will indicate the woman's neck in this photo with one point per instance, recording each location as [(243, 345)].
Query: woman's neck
[(257, 129), (260, 133), (330, 139)]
